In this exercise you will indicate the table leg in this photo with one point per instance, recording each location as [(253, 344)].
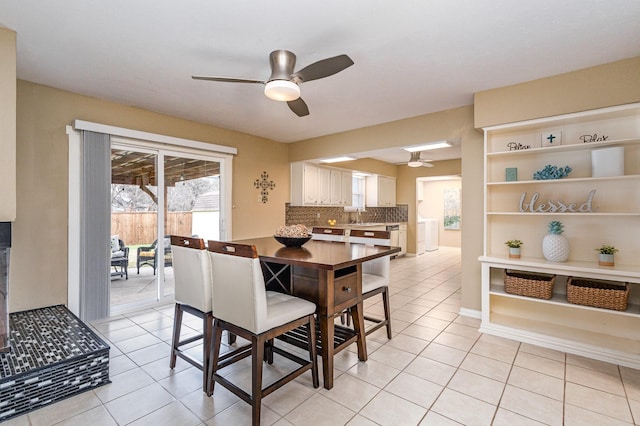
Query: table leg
[(326, 337), (357, 313)]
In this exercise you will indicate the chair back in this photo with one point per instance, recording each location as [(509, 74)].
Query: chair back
[(191, 272), (239, 293), (124, 249), (118, 249), (327, 234), (382, 265), (371, 238)]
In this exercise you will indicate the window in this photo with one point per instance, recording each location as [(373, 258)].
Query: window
[(357, 190)]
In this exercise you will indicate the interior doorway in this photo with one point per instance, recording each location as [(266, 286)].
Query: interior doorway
[(438, 212)]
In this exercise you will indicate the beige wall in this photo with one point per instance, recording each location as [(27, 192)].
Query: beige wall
[(7, 124), (369, 165), (39, 255), (472, 218), (616, 83), (442, 125)]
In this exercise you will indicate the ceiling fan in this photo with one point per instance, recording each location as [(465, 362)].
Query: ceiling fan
[(416, 161), (284, 82)]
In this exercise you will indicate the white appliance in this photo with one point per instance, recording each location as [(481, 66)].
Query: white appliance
[(394, 232), (431, 234), (422, 237)]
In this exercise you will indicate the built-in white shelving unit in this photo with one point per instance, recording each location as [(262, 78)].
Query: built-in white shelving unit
[(610, 215)]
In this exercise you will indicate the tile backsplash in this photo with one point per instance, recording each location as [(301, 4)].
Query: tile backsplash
[(318, 216)]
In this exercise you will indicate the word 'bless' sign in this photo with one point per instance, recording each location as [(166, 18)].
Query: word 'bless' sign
[(555, 206)]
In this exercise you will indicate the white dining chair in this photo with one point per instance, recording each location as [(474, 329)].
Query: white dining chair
[(192, 278), (242, 305), (375, 275), (328, 234)]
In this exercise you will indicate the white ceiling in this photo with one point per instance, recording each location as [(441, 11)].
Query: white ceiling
[(411, 57)]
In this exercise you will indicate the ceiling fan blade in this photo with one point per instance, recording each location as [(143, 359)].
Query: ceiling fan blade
[(324, 68), (299, 107), (426, 164), (226, 79)]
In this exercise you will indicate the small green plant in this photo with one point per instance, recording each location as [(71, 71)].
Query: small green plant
[(556, 227), (514, 243), (604, 249)]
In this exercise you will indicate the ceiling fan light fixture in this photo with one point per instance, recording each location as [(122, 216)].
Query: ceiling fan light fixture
[(282, 90), (414, 161)]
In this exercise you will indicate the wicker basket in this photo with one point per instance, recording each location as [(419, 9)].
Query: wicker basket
[(529, 284), (598, 293)]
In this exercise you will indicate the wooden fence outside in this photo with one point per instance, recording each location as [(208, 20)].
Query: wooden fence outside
[(140, 228)]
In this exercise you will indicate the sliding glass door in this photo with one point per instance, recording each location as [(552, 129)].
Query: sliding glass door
[(134, 225), (192, 203), (156, 193)]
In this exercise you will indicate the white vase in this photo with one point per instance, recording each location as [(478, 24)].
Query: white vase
[(555, 247)]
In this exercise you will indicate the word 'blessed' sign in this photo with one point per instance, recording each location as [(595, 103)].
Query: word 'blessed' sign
[(554, 206)]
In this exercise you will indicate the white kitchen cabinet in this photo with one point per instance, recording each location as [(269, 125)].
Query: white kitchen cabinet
[(340, 187), (304, 184), (336, 187), (347, 188), (380, 191), (313, 185), (323, 187), (594, 210)]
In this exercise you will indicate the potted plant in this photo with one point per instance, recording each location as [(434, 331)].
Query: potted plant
[(514, 248), (606, 255)]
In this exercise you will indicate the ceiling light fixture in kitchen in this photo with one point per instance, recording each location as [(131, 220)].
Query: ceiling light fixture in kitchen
[(428, 146), (337, 159)]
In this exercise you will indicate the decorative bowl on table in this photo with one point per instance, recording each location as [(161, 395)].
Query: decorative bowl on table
[(292, 241)]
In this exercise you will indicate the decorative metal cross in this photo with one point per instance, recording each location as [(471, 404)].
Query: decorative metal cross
[(551, 138), (263, 184)]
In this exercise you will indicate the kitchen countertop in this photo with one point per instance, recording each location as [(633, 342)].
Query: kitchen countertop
[(363, 225)]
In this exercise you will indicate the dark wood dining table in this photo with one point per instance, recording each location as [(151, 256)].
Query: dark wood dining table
[(328, 273)]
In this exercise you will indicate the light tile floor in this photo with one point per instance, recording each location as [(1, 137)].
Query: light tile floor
[(437, 370)]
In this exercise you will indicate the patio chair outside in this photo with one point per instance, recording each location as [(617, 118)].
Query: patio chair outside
[(146, 255), (120, 260)]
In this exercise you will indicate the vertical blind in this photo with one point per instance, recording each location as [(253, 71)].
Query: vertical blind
[(95, 226)]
